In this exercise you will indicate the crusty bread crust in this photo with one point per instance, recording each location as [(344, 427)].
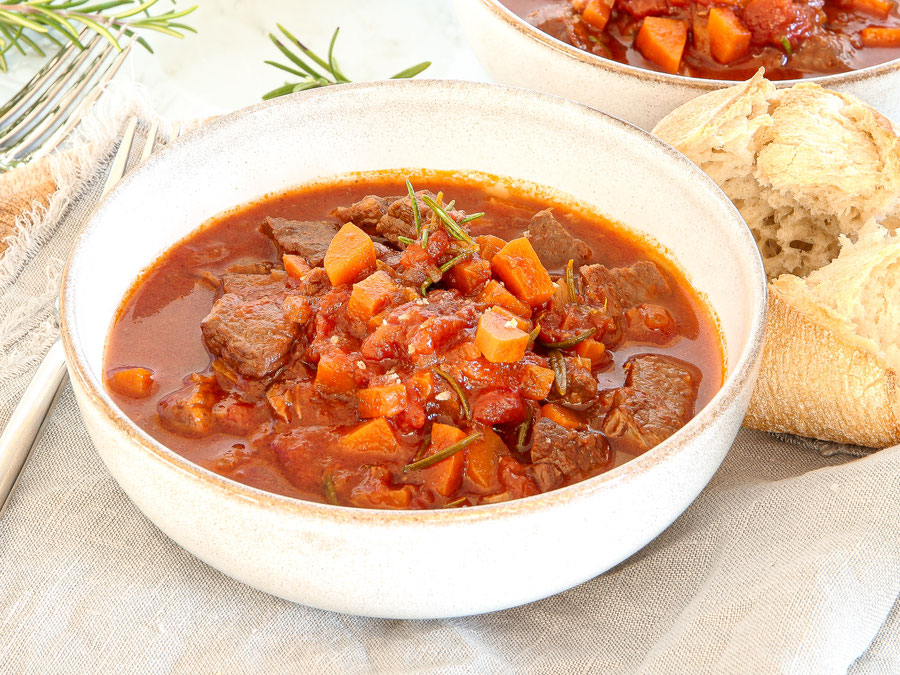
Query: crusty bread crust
[(810, 169), (818, 378)]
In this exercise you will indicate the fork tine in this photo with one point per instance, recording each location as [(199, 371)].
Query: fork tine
[(12, 106), (58, 114), (75, 116), (46, 97), (117, 169)]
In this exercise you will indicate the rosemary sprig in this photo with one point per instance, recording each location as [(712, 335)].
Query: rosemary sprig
[(417, 215), (533, 335), (570, 342), (321, 72), (460, 392), (453, 229), (56, 20), (440, 455), (469, 218)]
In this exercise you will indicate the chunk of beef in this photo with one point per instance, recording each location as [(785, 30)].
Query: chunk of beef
[(581, 387), (559, 454), (299, 403), (188, 411), (553, 243), (824, 52), (650, 323), (399, 219), (315, 283), (252, 286), (309, 239), (254, 337), (554, 18), (657, 400), (623, 287), (365, 213)]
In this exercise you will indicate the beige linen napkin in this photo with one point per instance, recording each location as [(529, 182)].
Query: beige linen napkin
[(789, 561)]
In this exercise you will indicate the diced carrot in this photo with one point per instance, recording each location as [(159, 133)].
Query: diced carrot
[(596, 13), (562, 416), (499, 338), (370, 295), (376, 321), (131, 382), (350, 255), (536, 382), (877, 36), (372, 436), (729, 39), (334, 372), (519, 267), (593, 350), (385, 401), (521, 324), (495, 293), (469, 275), (445, 477), (879, 8), (294, 265), (661, 40), (489, 245), (483, 460)]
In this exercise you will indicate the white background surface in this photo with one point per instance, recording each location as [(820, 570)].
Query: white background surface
[(221, 68)]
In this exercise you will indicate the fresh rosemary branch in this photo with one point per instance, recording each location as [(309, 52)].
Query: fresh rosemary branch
[(328, 71), (59, 21)]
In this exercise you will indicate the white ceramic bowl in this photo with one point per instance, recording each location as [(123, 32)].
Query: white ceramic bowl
[(515, 52), (415, 564)]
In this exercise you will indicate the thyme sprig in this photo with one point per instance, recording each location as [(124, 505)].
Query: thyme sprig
[(60, 20), (321, 72)]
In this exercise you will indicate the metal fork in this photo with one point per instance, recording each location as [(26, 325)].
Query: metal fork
[(40, 116), (25, 426)]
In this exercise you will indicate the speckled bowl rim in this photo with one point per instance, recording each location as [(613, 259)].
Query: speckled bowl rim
[(703, 84), (737, 379)]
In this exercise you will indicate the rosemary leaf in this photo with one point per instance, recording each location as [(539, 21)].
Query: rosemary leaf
[(469, 218), (328, 487), (460, 392), (522, 432), (412, 71), (417, 215), (456, 260), (533, 335), (558, 363), (456, 502), (405, 240), (440, 455), (453, 229), (570, 342)]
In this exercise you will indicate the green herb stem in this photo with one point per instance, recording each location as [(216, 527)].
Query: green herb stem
[(460, 392), (441, 455), (558, 363), (453, 229), (569, 342)]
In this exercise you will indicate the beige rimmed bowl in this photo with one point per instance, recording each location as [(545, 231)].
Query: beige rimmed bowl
[(415, 564), (515, 52)]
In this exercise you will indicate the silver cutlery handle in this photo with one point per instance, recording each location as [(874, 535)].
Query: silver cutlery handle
[(25, 426)]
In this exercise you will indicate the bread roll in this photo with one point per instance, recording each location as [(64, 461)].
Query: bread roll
[(816, 175)]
